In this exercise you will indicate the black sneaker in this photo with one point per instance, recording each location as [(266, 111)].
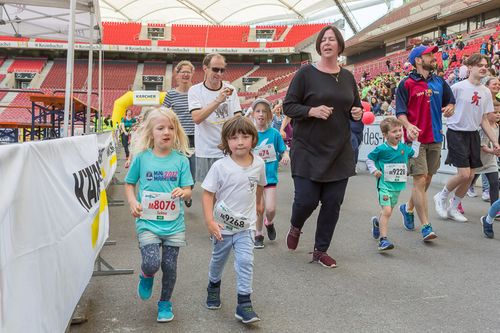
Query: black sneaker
[(487, 228), (213, 298), (246, 314), (271, 231), (188, 203), (259, 242)]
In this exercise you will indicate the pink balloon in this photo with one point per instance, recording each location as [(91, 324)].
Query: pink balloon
[(366, 106), (368, 118)]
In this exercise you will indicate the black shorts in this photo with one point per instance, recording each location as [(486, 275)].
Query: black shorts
[(464, 149)]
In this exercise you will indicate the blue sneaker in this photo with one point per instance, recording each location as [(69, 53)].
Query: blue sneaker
[(246, 314), (487, 228), (408, 218), (213, 298), (165, 313), (375, 228), (385, 244), (427, 233), (145, 287)]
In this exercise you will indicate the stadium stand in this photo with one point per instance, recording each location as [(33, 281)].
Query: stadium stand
[(123, 33), (27, 65), (273, 71), (154, 68)]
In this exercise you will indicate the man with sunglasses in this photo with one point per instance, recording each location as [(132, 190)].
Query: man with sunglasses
[(211, 103), (473, 102)]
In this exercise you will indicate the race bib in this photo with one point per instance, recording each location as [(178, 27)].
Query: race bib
[(266, 152), (231, 220), (158, 206), (395, 172)]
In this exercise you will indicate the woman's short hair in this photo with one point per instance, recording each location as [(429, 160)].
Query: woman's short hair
[(183, 63), (338, 37), (237, 125)]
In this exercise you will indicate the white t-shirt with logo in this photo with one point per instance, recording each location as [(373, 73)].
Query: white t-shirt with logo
[(236, 186), (207, 135), (472, 102)]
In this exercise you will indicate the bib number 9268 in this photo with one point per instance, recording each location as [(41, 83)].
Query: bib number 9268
[(232, 221)]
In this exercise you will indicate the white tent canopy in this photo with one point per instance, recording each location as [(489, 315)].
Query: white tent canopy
[(48, 19)]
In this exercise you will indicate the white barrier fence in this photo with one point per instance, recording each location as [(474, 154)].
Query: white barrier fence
[(372, 137), (53, 222)]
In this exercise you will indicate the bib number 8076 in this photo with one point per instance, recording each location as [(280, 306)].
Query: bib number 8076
[(162, 205)]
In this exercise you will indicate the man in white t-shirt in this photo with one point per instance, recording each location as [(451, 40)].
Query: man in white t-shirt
[(473, 102), (211, 103)]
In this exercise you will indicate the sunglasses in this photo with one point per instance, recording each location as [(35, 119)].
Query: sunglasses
[(218, 70)]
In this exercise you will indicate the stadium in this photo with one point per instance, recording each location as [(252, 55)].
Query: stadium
[(70, 70)]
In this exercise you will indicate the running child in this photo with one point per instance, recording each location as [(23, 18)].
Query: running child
[(388, 163), (231, 199), (272, 149), (161, 168)]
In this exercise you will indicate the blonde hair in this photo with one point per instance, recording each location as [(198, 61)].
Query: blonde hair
[(182, 64), (143, 138), (389, 123)]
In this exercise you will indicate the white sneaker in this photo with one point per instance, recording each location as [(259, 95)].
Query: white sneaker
[(485, 196), (440, 206), (471, 193), (455, 215)]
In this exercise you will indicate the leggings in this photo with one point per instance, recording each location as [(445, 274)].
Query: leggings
[(151, 262), (308, 194), (125, 144), (493, 185)]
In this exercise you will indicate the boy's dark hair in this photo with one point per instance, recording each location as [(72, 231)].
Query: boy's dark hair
[(388, 123), (236, 125)]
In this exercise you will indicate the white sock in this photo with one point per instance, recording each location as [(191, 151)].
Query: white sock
[(444, 193), (455, 202), (489, 219)]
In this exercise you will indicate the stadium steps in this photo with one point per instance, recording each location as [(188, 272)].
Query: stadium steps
[(39, 78), (252, 34), (5, 66), (285, 33), (167, 83), (168, 32), (138, 77), (256, 67), (143, 34)]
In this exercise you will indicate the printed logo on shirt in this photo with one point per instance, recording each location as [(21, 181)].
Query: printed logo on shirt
[(428, 92), (475, 98), (385, 198), (157, 175), (222, 111), (252, 181)]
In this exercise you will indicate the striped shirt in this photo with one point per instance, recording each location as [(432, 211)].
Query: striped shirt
[(179, 103)]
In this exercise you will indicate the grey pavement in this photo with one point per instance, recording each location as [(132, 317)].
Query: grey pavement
[(449, 285)]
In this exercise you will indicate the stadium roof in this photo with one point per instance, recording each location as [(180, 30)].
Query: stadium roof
[(246, 12)]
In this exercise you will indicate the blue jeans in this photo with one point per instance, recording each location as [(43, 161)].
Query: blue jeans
[(242, 244), (494, 209)]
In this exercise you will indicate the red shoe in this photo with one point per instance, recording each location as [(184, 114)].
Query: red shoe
[(292, 238), (323, 259)]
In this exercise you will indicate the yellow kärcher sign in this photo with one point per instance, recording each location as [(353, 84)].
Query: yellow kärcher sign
[(144, 97)]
